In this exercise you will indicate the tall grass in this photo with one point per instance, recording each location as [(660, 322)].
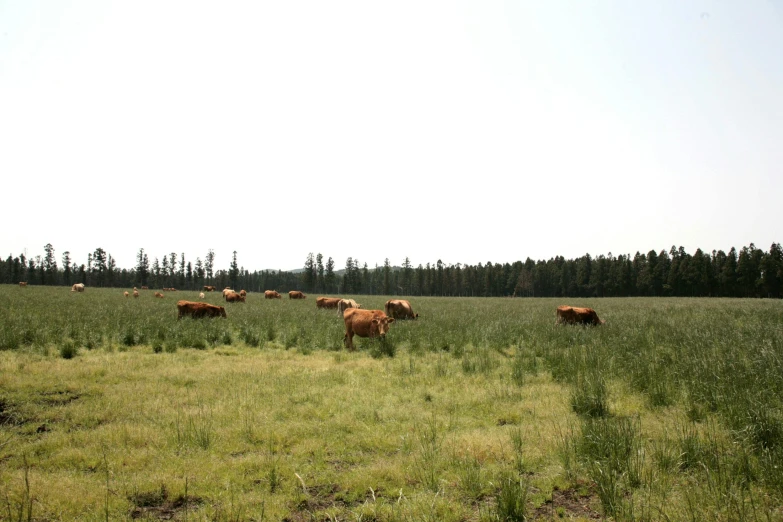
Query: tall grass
[(672, 410)]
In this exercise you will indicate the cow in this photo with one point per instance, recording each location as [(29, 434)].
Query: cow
[(327, 302), (226, 290), (234, 297), (296, 294), (199, 310), (126, 294), (209, 289), (22, 284), (272, 294), (158, 294), (345, 304), (201, 295), (399, 309), (78, 287), (365, 323), (135, 293), (145, 287), (169, 289), (573, 315), (243, 293)]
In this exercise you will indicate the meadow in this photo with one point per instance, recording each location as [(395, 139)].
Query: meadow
[(480, 410)]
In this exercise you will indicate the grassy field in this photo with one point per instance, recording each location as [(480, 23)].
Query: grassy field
[(111, 409)]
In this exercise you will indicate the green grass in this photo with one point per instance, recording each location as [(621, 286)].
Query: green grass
[(482, 409)]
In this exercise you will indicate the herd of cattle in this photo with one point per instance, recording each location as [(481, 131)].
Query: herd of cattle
[(364, 323)]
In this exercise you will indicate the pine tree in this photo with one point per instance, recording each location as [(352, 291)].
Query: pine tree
[(99, 265), (142, 268), (319, 282), (386, 277), (233, 273), (67, 268), (209, 265), (330, 279), (50, 265), (309, 273)]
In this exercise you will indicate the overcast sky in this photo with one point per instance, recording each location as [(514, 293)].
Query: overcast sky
[(462, 131)]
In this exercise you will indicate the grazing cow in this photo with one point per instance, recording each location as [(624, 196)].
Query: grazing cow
[(296, 294), (22, 283), (234, 297), (365, 323), (201, 295), (572, 315), (327, 302), (78, 287), (243, 293), (145, 287), (158, 294), (345, 304), (226, 290), (135, 293), (209, 288), (272, 294), (126, 294), (399, 309), (199, 310)]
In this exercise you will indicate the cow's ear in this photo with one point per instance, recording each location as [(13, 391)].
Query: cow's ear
[(391, 320)]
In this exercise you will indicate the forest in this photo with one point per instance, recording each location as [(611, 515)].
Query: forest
[(749, 272)]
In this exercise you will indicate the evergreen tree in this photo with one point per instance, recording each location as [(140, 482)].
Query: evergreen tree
[(99, 266), (189, 276), (330, 278), (66, 268), (309, 274), (319, 266), (772, 271), (407, 277), (386, 277), (181, 272), (233, 273), (199, 272), (210, 265), (50, 265), (142, 268)]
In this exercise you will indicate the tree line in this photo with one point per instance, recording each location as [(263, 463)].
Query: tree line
[(749, 272)]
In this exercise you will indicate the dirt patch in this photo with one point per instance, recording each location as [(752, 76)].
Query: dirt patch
[(569, 503), (59, 397), (325, 496), (158, 504)]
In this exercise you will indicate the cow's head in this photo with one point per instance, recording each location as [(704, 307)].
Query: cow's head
[(380, 326), (222, 312)]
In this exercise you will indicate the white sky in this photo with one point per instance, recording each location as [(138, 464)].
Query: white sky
[(462, 131)]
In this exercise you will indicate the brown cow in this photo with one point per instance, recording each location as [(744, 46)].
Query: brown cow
[(78, 287), (345, 304), (145, 287), (243, 293), (226, 290), (365, 323), (399, 309), (327, 302), (296, 294), (209, 288), (158, 294), (126, 294), (272, 294), (22, 283), (572, 315), (135, 293), (233, 297), (199, 310)]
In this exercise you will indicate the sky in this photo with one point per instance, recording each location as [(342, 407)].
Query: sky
[(466, 132)]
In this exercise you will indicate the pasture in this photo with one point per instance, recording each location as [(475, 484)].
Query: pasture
[(480, 410)]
